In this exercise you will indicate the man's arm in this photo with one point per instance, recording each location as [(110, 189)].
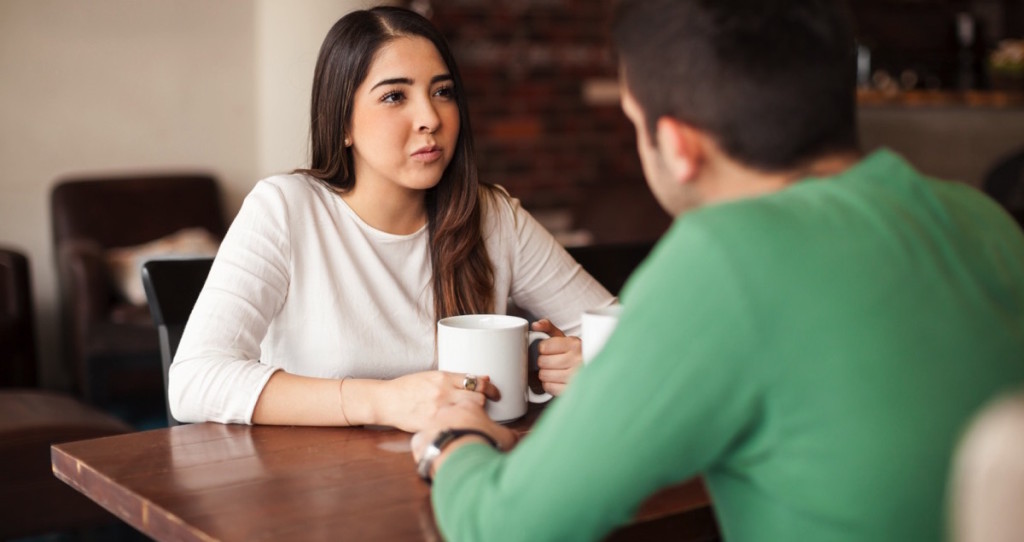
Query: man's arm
[(666, 398)]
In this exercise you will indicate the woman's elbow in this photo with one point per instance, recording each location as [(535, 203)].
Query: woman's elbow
[(182, 407)]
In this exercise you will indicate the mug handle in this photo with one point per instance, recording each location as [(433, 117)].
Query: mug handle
[(533, 396)]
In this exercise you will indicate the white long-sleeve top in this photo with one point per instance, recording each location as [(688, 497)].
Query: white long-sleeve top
[(302, 284)]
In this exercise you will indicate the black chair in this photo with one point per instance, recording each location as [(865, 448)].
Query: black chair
[(1005, 184), (611, 264), (172, 287)]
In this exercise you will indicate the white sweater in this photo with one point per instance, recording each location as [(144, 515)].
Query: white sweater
[(302, 284)]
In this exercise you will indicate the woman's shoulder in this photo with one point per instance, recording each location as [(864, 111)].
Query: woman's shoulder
[(504, 221), (289, 190), (290, 184), (498, 206)]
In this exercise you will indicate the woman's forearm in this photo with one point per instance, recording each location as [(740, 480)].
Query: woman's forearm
[(408, 402), (289, 399)]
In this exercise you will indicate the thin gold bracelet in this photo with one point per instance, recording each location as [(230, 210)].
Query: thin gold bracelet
[(341, 395)]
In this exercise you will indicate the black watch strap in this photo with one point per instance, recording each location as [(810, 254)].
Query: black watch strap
[(443, 439), (459, 433)]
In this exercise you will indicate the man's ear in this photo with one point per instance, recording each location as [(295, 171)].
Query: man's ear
[(681, 148)]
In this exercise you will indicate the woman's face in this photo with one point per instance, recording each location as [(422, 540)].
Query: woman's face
[(405, 120)]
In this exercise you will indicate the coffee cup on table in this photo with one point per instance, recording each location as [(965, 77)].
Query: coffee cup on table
[(597, 325), (496, 346)]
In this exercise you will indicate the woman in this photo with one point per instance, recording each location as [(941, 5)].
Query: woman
[(321, 306)]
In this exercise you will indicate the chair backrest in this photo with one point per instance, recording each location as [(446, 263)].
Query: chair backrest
[(154, 205), (17, 328), (611, 264), (987, 486), (172, 287)]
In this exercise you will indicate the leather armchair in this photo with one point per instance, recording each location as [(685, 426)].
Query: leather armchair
[(32, 501), (17, 336), (111, 344)]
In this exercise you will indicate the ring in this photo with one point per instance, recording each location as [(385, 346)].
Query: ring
[(469, 383)]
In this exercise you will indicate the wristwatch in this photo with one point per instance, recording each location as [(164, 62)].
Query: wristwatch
[(443, 439)]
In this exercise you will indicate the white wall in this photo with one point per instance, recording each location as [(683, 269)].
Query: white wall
[(124, 85), (288, 40)]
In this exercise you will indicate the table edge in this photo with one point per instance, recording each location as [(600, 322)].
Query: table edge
[(116, 499)]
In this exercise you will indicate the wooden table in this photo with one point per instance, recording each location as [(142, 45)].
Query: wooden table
[(234, 482)]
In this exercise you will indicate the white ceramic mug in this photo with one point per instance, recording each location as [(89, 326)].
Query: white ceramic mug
[(493, 345), (597, 326)]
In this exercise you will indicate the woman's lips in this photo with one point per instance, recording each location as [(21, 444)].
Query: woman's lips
[(427, 154)]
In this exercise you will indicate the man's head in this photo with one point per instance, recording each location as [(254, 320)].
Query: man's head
[(769, 83)]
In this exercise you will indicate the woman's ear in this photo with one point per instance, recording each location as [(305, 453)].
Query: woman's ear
[(681, 148)]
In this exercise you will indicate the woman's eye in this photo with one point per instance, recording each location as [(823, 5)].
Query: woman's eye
[(445, 92), (393, 97)]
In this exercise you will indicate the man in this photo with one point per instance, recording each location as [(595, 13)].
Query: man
[(812, 333)]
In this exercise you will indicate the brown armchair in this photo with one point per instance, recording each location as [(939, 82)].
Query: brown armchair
[(32, 501), (112, 344), (17, 336)]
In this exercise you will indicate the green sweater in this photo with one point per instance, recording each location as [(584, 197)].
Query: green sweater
[(814, 353)]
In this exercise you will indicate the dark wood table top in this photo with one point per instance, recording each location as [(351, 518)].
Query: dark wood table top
[(235, 482)]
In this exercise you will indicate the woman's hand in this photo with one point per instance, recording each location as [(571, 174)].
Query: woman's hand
[(559, 358), (410, 402)]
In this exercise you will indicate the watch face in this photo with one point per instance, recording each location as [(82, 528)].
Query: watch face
[(431, 453), (427, 461), (440, 441)]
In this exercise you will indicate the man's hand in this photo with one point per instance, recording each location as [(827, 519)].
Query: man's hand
[(463, 415)]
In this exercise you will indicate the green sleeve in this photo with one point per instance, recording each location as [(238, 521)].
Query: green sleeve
[(666, 398)]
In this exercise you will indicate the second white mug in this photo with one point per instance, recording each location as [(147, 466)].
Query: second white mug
[(597, 326)]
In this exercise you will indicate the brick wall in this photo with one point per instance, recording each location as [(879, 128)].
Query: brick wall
[(540, 79)]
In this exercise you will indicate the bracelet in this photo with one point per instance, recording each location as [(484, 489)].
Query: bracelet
[(341, 396), (443, 439)]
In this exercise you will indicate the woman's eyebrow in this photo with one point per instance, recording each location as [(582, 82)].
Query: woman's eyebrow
[(408, 81)]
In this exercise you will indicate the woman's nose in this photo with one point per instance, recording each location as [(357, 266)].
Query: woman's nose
[(428, 120)]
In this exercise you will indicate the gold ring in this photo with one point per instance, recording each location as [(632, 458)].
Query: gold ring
[(469, 383)]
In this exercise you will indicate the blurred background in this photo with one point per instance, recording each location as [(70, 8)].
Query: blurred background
[(111, 87)]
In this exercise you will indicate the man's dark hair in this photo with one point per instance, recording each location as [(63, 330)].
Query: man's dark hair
[(772, 81)]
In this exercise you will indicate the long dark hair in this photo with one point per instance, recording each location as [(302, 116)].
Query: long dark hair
[(463, 278)]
